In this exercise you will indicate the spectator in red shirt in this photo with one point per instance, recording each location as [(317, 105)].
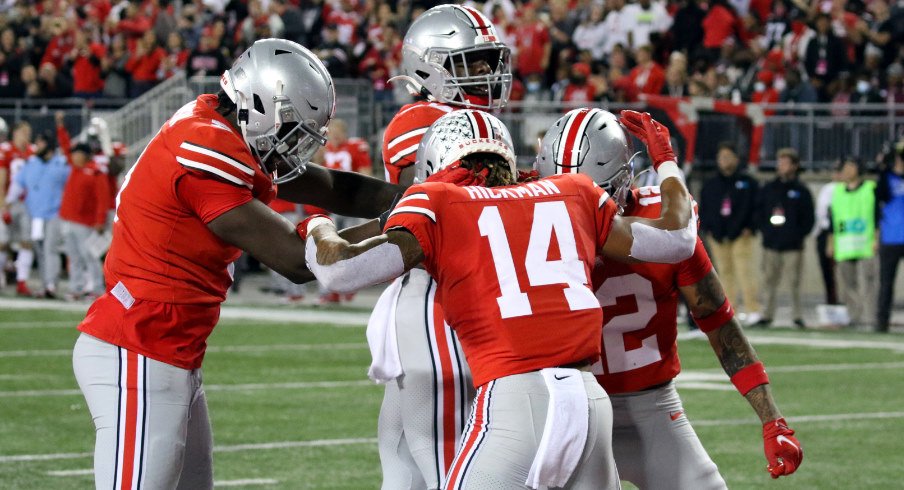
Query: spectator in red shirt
[(578, 92), (176, 56), (87, 75), (763, 90), (60, 44), (83, 212), (532, 42), (144, 64), (721, 27), (645, 78)]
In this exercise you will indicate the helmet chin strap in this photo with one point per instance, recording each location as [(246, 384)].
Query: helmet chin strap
[(413, 87)]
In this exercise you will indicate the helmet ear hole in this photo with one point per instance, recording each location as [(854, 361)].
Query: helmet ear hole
[(424, 75), (259, 104)]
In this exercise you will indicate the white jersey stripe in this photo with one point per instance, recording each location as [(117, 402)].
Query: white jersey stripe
[(603, 199), (403, 153), (207, 168), (417, 195), (409, 134), (414, 209), (219, 156)]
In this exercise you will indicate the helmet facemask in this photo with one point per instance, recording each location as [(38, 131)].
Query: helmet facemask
[(473, 90), (619, 185), (290, 145)]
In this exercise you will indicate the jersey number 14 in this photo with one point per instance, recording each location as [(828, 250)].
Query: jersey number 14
[(570, 270)]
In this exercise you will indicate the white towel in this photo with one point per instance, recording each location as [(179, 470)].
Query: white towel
[(37, 229), (385, 364), (565, 432)]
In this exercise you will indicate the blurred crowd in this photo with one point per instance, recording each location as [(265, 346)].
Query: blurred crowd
[(573, 50)]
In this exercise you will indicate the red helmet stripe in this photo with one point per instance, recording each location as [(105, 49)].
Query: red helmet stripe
[(572, 131), (480, 22), (480, 123)]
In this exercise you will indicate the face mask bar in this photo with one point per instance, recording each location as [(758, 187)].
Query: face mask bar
[(291, 149), (494, 87), (619, 186)]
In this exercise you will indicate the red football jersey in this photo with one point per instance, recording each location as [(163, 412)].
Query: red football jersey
[(351, 156), (165, 267), (404, 133), (12, 158), (640, 311), (513, 268)]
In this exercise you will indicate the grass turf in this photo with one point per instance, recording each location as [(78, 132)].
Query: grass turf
[(840, 452)]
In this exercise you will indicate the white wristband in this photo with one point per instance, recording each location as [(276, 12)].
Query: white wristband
[(669, 169), (314, 223)]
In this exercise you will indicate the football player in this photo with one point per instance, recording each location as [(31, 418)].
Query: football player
[(655, 445), (195, 199), (15, 224), (512, 265), (452, 58)]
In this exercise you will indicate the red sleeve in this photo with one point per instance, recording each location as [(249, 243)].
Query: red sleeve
[(695, 268), (208, 197), (215, 152), (404, 133), (65, 142), (416, 213)]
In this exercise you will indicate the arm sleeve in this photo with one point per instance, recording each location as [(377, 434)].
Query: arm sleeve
[(416, 213), (692, 270), (208, 197), (65, 142), (215, 152)]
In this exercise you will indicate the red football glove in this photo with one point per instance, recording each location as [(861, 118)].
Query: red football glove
[(7, 217), (783, 451), (302, 228), (653, 134), (525, 176), (460, 176)]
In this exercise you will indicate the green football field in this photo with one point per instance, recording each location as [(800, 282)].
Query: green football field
[(291, 407)]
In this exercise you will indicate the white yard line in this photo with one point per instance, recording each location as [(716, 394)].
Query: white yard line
[(87, 471), (210, 350), (246, 482), (806, 418), (301, 385), (815, 340), (336, 318), (217, 449), (39, 324)]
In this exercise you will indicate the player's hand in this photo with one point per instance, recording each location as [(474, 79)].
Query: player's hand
[(783, 451), (653, 134), (528, 176), (460, 176)]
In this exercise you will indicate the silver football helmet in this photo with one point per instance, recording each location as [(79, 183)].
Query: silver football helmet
[(438, 49), (591, 142), (285, 99), (4, 130), (459, 134)]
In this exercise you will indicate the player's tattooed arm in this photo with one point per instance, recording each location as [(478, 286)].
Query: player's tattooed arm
[(728, 341), (345, 193)]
